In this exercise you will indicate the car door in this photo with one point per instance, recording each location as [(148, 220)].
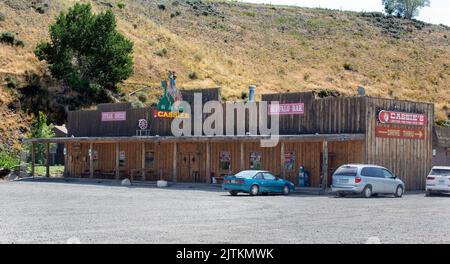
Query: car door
[(273, 184), (389, 182), (261, 182), (373, 177)]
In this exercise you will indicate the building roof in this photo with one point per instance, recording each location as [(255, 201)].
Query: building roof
[(307, 137), (442, 136)]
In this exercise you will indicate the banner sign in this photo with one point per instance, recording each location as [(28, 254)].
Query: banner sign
[(391, 117), (287, 109), (401, 133), (114, 116)]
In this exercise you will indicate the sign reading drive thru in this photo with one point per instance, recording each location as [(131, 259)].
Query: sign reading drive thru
[(391, 117)]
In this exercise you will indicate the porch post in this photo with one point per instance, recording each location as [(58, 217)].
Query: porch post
[(33, 158), (143, 161), (117, 161), (325, 164), (242, 156), (283, 173), (91, 160), (47, 163), (208, 162), (66, 159), (175, 154)]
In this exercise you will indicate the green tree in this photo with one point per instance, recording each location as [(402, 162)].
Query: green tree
[(41, 129), (86, 51), (404, 8)]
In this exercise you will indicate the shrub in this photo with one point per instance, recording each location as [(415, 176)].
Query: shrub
[(192, 75), (137, 104), (121, 4), (2, 17), (348, 67), (142, 97), (7, 37), (8, 161), (161, 52), (244, 95), (11, 82), (161, 7), (19, 43)]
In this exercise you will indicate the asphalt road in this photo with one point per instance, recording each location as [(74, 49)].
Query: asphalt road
[(42, 212)]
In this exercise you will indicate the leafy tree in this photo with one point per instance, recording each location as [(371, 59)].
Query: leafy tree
[(404, 8), (41, 129), (86, 51)]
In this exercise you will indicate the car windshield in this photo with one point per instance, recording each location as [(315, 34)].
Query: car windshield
[(246, 174), (346, 171), (440, 172)]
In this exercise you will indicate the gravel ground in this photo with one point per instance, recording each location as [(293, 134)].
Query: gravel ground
[(47, 212)]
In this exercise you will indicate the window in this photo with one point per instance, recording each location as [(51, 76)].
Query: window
[(289, 161), (255, 160), (259, 176), (225, 160), (246, 174), (440, 172), (387, 174), (372, 172), (346, 171), (268, 176), (149, 159)]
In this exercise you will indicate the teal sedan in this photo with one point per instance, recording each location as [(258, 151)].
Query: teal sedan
[(256, 182)]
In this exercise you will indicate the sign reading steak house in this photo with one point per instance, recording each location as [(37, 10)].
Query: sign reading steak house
[(391, 117), (114, 116)]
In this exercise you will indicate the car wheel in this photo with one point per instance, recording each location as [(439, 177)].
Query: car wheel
[(233, 193), (367, 192), (399, 192), (340, 194), (286, 190), (254, 190)]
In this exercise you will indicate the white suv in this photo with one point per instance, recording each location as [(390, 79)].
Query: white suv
[(438, 181)]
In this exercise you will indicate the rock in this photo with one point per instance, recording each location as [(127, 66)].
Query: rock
[(162, 184), (126, 182)]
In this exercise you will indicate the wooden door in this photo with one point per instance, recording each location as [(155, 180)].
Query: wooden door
[(189, 167)]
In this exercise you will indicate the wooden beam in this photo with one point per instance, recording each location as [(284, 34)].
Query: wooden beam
[(208, 162), (143, 161), (33, 158), (175, 154), (117, 161), (325, 164), (47, 162), (283, 172), (242, 156), (91, 160)]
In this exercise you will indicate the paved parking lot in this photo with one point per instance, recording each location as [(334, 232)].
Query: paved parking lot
[(46, 212)]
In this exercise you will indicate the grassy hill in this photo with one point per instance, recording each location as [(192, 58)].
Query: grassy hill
[(232, 45)]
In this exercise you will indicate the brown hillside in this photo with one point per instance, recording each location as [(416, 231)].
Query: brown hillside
[(277, 48)]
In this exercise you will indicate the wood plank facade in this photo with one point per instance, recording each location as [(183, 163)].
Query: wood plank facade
[(347, 125)]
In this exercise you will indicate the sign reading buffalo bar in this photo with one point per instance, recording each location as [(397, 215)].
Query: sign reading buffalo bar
[(398, 132), (287, 109), (391, 117)]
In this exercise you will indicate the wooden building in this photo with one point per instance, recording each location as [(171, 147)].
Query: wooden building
[(327, 133), (441, 146)]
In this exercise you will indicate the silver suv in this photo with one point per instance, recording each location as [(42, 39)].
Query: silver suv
[(366, 180)]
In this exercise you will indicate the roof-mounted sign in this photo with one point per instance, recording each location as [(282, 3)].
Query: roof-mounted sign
[(392, 117), (114, 116), (286, 109), (168, 105)]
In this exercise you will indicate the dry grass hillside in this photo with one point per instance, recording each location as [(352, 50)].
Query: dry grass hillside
[(232, 45)]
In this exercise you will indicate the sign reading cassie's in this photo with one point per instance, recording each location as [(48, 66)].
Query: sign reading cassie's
[(391, 117)]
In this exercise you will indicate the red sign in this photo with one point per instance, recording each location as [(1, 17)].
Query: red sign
[(287, 109), (391, 117), (114, 116), (402, 133)]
